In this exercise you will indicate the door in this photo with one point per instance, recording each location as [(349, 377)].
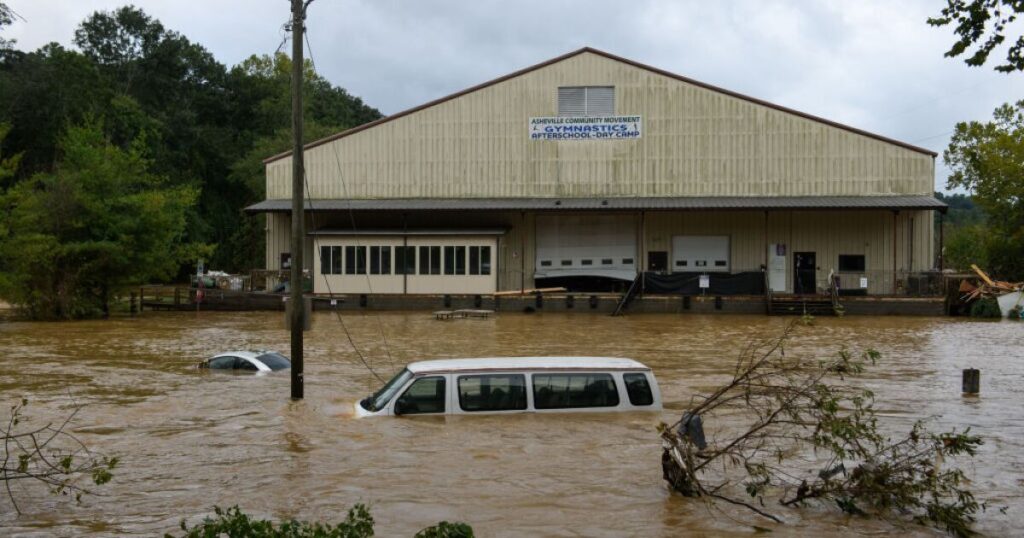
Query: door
[(777, 267), (700, 253), (804, 272), (657, 260)]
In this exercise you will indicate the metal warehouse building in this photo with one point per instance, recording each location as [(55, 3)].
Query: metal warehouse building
[(589, 169)]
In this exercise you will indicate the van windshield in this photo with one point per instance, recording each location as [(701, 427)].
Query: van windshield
[(384, 395)]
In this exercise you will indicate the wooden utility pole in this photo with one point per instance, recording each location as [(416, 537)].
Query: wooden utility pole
[(298, 310)]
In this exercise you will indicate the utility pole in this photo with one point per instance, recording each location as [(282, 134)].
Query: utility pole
[(298, 309)]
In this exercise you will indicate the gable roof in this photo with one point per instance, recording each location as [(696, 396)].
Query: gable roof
[(626, 61)]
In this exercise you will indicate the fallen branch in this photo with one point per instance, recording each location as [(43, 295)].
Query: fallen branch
[(794, 430)]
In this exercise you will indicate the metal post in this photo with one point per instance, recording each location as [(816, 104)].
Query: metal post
[(894, 215), (297, 313), (942, 226), (522, 252)]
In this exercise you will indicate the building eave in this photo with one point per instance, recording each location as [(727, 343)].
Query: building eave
[(684, 203)]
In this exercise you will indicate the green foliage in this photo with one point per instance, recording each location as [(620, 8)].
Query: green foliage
[(982, 24), (6, 18), (100, 220), (234, 523), (966, 245), (988, 160), (446, 529), (986, 307)]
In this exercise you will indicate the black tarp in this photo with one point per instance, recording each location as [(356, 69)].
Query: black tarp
[(747, 283)]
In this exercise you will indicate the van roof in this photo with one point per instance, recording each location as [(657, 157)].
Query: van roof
[(525, 363)]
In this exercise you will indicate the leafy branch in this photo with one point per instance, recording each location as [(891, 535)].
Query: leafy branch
[(794, 430), (49, 455)]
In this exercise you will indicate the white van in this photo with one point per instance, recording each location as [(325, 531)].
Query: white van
[(516, 385)]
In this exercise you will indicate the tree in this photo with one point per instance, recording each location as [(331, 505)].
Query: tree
[(794, 429), (988, 160), (101, 220), (982, 24)]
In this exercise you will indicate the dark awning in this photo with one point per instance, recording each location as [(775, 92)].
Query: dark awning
[(894, 202)]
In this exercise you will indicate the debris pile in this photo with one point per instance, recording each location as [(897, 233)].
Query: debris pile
[(1008, 295)]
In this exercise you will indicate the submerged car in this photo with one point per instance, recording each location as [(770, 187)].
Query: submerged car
[(254, 361), (516, 385)]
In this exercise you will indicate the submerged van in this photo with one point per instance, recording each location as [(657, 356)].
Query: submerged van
[(516, 385)]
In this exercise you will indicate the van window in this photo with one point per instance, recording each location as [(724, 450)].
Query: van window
[(639, 389), (560, 391), (495, 392), (425, 395)]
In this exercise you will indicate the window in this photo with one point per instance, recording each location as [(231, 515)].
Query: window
[(449, 260), (274, 361), (243, 364), (435, 260), (355, 260), (639, 389), (485, 260), (560, 391), (383, 396), (335, 260), (720, 263), (586, 101), (405, 260), (330, 260), (494, 392), (566, 262), (424, 260), (851, 263), (325, 260), (627, 261), (222, 363), (606, 261), (425, 395), (380, 260), (681, 263), (480, 260), (586, 262), (460, 260), (545, 263)]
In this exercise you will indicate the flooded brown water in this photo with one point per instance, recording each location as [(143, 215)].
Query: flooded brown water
[(190, 439)]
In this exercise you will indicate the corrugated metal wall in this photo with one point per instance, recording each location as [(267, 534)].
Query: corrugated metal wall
[(826, 233), (695, 142)]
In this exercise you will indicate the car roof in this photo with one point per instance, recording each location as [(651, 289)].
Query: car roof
[(525, 363), (243, 354)]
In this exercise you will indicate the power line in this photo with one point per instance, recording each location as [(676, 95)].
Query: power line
[(316, 245)]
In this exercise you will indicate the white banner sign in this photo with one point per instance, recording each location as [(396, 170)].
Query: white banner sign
[(574, 128)]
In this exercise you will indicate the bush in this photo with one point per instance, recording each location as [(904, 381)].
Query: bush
[(986, 308), (234, 523)]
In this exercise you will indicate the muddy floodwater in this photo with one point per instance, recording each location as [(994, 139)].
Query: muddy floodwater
[(191, 439)]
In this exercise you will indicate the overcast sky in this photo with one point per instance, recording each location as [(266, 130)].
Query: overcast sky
[(872, 64)]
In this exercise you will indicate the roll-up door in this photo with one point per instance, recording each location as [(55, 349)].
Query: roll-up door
[(586, 245), (700, 254)]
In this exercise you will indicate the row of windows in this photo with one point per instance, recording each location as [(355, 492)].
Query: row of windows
[(701, 263), (507, 392), (604, 261), (433, 260)]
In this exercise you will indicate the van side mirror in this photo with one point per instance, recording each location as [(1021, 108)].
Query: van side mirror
[(402, 406)]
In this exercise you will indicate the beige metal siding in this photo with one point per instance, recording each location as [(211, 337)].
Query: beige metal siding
[(695, 142), (826, 233)]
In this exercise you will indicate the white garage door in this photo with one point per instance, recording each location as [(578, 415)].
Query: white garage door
[(586, 245), (700, 253)]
